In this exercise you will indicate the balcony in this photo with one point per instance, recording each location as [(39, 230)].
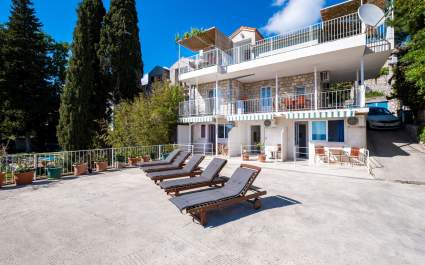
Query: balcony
[(331, 30), (338, 99)]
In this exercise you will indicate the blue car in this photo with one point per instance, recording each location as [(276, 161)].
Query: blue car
[(381, 118)]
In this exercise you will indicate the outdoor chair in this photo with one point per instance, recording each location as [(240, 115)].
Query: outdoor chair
[(209, 177), (177, 163), (319, 152), (354, 156), (189, 170), (166, 161), (300, 102), (237, 189)]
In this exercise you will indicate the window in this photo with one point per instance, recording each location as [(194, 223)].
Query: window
[(336, 131), (203, 131), (223, 130), (299, 90), (318, 130)]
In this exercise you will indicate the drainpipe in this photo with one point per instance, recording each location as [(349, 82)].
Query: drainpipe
[(277, 94), (362, 89), (315, 87)]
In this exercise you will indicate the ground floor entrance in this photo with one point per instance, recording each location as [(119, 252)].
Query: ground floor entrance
[(301, 139)]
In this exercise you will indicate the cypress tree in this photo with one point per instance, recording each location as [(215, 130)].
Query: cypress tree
[(83, 102), (24, 74), (120, 53)]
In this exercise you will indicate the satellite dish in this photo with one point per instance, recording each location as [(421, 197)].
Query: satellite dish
[(371, 15)]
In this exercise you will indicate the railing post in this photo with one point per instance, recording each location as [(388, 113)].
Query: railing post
[(204, 148), (159, 151), (113, 157)]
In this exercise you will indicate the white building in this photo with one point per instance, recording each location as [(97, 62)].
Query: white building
[(244, 89)]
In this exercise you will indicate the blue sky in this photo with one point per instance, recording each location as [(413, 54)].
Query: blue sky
[(159, 21)]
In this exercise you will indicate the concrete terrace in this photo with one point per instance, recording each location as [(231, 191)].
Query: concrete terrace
[(311, 215)]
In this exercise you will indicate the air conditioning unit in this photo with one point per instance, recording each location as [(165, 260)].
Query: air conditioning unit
[(270, 123), (325, 77)]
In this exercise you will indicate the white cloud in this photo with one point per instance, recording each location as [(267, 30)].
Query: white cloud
[(294, 15), (278, 2), (145, 79)]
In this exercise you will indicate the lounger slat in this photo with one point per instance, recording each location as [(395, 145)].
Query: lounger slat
[(166, 161), (177, 163), (236, 185)]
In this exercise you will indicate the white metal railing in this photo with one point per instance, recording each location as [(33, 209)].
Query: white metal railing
[(297, 102), (343, 156), (257, 105), (203, 148), (333, 99), (338, 99), (40, 162), (330, 30)]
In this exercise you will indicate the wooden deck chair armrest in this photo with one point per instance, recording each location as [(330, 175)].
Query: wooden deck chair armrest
[(256, 168)]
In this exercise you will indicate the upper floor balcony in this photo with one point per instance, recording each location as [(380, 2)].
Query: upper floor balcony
[(337, 99), (220, 61)]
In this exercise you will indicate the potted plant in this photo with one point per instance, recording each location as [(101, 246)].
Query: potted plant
[(101, 163), (80, 168), (133, 159), (2, 172), (120, 161), (146, 158), (261, 155), (54, 170), (245, 155), (24, 174)]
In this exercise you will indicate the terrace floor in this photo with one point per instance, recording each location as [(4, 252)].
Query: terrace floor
[(311, 215)]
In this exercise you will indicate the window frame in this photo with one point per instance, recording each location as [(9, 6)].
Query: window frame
[(326, 131), (343, 124), (203, 131)]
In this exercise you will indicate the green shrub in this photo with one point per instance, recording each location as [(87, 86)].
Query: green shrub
[(374, 94), (421, 134)]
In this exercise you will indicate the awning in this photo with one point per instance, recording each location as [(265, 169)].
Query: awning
[(197, 119), (251, 117), (206, 40), (319, 114)]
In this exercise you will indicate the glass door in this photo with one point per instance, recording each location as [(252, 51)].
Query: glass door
[(266, 100)]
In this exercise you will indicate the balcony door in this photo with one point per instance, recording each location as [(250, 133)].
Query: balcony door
[(266, 101), (212, 97)]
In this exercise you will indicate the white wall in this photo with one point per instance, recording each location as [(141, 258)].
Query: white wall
[(183, 134)]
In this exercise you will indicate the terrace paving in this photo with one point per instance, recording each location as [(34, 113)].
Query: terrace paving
[(311, 215)]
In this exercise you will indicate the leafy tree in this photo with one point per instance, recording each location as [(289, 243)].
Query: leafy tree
[(409, 23), (147, 120), (84, 99), (25, 78), (120, 53)]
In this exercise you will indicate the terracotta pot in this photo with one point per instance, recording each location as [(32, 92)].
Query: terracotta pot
[(101, 166), (133, 161), (245, 157), (262, 158), (146, 158), (2, 175), (80, 169), (24, 178)]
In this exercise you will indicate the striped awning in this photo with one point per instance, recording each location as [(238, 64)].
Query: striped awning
[(197, 119), (319, 114), (250, 117)]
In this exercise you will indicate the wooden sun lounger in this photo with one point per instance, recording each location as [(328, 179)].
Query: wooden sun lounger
[(189, 170), (178, 163), (238, 189), (166, 161), (209, 177)]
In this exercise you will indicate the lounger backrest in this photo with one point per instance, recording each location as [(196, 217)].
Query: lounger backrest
[(193, 163), (180, 158), (172, 155), (213, 168), (240, 181)]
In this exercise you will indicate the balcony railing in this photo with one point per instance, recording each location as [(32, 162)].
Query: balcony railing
[(330, 30), (336, 99)]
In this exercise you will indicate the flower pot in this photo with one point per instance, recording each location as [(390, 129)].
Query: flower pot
[(133, 161), (262, 158), (101, 166), (245, 156), (54, 172), (80, 169), (146, 158), (2, 175), (24, 178)]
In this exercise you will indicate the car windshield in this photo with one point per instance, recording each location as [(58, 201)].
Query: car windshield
[(379, 111)]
